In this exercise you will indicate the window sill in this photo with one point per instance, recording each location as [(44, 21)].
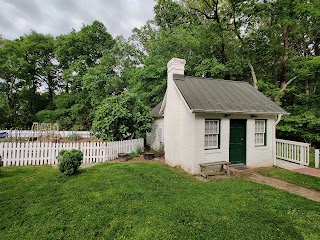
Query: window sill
[(261, 147), (212, 150)]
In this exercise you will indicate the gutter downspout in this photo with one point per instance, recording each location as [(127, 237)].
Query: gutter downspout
[(274, 140)]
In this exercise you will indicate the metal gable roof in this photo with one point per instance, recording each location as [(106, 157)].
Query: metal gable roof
[(224, 96)]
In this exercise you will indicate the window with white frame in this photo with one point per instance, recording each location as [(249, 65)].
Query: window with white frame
[(260, 132), (211, 134)]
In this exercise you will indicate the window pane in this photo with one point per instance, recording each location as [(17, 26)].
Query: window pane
[(259, 139), (260, 126), (211, 139), (216, 128), (215, 140)]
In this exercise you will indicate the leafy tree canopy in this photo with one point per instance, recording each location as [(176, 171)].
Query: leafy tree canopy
[(122, 117)]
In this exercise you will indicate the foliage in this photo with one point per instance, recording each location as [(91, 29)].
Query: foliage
[(67, 79), (140, 150), (159, 152), (133, 154), (122, 117), (156, 202), (73, 137), (70, 161), (303, 125), (25, 64)]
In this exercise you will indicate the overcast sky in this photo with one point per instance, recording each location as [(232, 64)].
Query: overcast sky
[(55, 17)]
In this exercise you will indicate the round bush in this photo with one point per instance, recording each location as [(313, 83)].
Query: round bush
[(70, 161)]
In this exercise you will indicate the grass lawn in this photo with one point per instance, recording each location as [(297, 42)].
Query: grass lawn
[(147, 201), (291, 177)]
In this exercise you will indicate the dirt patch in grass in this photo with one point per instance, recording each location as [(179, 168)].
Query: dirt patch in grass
[(292, 188)]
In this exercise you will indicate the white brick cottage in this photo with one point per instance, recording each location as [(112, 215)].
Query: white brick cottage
[(204, 120)]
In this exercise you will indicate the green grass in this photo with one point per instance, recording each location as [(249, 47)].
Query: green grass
[(291, 177), (147, 201)]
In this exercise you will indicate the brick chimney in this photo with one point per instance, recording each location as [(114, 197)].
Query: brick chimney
[(176, 66)]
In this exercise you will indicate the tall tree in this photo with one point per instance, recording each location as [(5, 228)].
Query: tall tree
[(77, 51)]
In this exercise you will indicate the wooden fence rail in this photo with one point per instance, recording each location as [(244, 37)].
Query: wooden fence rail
[(45, 153), (292, 151)]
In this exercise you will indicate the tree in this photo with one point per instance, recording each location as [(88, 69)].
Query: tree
[(122, 117), (25, 65), (38, 51), (78, 51)]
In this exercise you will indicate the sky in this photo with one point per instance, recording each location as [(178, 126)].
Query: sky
[(56, 17)]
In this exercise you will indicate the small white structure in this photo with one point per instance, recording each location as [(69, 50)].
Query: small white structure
[(202, 120), (155, 138)]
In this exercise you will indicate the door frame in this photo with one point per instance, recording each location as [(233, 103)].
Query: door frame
[(244, 121)]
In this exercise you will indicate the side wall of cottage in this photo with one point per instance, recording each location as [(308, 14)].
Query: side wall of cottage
[(179, 124)]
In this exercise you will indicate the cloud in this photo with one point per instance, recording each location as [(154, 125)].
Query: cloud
[(55, 17)]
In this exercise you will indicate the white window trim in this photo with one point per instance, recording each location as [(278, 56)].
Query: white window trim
[(213, 133), (260, 132)]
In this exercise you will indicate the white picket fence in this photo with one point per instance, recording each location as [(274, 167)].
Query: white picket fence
[(316, 158), (45, 153), (16, 133), (292, 151)]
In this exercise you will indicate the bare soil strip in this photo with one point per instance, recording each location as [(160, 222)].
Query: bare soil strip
[(301, 191)]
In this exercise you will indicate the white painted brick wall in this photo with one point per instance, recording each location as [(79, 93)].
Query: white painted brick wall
[(261, 156), (179, 124)]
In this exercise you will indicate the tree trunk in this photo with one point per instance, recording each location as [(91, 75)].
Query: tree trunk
[(306, 84), (254, 77), (284, 68), (50, 86)]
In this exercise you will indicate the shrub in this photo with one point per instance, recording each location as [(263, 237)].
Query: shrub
[(69, 161), (133, 154), (140, 150), (73, 137), (159, 152)]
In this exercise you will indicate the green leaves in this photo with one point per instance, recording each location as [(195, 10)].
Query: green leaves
[(210, 68), (122, 117), (303, 125), (70, 161)]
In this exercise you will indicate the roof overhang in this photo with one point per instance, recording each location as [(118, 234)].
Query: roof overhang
[(238, 112)]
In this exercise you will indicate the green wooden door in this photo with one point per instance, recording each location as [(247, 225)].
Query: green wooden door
[(237, 148)]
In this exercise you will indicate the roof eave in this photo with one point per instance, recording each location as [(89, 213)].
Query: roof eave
[(238, 112)]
